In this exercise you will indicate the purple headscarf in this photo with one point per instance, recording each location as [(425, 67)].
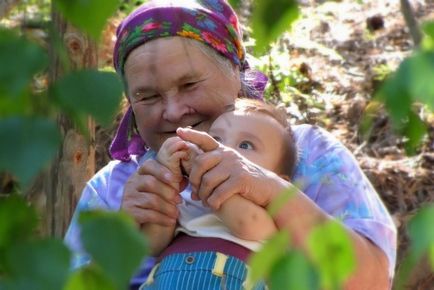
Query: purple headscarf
[(212, 22)]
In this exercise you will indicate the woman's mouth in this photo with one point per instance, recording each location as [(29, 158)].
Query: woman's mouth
[(193, 126)]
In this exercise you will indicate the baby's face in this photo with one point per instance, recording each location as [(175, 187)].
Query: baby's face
[(256, 136)]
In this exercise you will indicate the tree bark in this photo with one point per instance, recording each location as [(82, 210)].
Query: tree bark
[(59, 188), (6, 6)]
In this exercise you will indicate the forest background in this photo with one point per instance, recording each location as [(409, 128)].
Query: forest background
[(363, 70)]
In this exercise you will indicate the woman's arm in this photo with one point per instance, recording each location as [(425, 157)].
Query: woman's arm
[(371, 263), (220, 173)]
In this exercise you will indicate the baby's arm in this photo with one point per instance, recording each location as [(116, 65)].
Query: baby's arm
[(245, 219), (169, 155)]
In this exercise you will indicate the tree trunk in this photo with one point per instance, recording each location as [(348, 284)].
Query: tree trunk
[(59, 188), (6, 6)]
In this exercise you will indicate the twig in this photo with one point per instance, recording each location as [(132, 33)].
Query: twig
[(411, 21)]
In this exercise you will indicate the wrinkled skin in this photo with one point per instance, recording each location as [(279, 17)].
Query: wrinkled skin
[(171, 84)]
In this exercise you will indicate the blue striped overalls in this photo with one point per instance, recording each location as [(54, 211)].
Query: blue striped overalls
[(198, 271)]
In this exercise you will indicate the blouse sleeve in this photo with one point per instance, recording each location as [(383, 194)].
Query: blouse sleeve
[(329, 174), (90, 199), (104, 191)]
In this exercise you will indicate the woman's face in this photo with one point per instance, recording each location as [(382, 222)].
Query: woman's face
[(171, 84)]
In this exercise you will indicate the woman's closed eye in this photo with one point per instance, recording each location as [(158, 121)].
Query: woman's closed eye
[(246, 145), (145, 98), (191, 85), (217, 138)]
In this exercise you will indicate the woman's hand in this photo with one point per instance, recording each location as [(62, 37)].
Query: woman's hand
[(148, 196), (220, 172)]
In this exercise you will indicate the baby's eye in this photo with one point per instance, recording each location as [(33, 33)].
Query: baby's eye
[(246, 145)]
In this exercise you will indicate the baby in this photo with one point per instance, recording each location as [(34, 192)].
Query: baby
[(260, 133)]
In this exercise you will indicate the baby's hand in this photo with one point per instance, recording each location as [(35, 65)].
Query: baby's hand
[(187, 162), (171, 153)]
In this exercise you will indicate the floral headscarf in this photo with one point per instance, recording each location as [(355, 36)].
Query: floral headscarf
[(212, 22)]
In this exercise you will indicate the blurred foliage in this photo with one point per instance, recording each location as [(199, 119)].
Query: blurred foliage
[(331, 250), (87, 97), (89, 16), (28, 262), (270, 19), (32, 10), (421, 234), (411, 84), (35, 138), (115, 230), (16, 76), (272, 251), (381, 72), (128, 6), (331, 260)]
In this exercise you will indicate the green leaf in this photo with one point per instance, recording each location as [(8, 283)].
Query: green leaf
[(395, 93), (88, 15), (421, 232), (17, 222), (262, 261), (294, 272), (414, 129), (88, 278), (38, 265), (428, 40), (281, 200), (270, 19), (410, 83), (235, 3), (27, 145), (124, 247), (332, 252), (20, 61), (421, 85), (90, 92)]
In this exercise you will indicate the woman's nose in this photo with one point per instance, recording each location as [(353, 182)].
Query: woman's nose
[(175, 109)]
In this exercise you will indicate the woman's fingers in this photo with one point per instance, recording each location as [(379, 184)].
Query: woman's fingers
[(150, 184), (209, 183), (199, 138), (154, 168), (149, 208), (202, 164), (148, 195), (153, 217), (222, 192)]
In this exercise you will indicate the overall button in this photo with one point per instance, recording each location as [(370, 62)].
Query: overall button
[(189, 259)]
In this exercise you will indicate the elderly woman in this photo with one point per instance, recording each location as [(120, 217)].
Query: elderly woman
[(183, 64)]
